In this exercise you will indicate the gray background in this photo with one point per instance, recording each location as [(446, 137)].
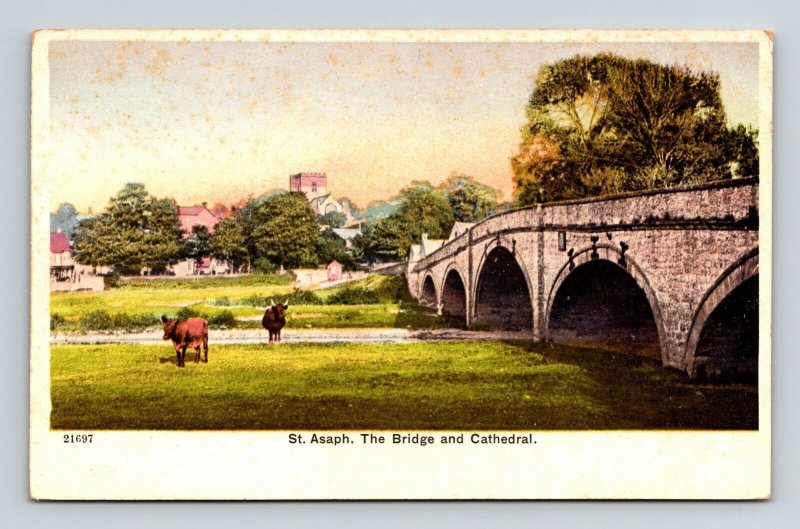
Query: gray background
[(19, 18)]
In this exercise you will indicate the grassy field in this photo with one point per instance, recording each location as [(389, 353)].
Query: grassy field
[(453, 385), (205, 282), (147, 300), (156, 299)]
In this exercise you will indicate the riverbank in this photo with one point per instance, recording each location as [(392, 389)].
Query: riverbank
[(260, 336)]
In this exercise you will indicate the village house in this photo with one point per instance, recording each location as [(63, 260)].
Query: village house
[(460, 228), (65, 273), (192, 216), (189, 217), (62, 266), (425, 247)]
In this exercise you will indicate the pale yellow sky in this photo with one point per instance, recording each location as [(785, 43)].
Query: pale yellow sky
[(219, 121)]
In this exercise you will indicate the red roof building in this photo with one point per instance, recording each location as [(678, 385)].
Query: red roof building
[(192, 216), (59, 243)]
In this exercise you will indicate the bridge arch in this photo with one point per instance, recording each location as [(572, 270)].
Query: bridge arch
[(723, 337), (502, 292), (454, 295), (428, 296), (602, 294)]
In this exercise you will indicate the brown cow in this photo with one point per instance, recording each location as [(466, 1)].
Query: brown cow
[(187, 333), (274, 320)]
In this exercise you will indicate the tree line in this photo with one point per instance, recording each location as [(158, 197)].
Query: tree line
[(140, 232)]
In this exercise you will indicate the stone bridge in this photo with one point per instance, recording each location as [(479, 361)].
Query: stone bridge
[(674, 272)]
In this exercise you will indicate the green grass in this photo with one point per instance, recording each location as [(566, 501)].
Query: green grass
[(205, 282), (453, 385), (209, 296), (73, 305), (387, 288)]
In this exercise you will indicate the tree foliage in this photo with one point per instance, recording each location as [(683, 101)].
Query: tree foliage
[(284, 230), (422, 208), (603, 124), (197, 246), (137, 232), (334, 219), (229, 243), (470, 200)]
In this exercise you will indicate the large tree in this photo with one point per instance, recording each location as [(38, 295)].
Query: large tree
[(197, 245), (284, 230), (601, 124), (471, 201), (228, 243), (422, 208), (138, 231)]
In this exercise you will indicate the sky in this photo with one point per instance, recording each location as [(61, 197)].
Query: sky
[(218, 121)]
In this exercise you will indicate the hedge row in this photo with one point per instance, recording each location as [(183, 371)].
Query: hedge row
[(101, 320)]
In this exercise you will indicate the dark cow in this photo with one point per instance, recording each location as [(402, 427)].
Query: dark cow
[(274, 320), (187, 333)]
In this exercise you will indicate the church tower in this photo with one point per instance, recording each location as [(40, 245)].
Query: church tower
[(314, 185)]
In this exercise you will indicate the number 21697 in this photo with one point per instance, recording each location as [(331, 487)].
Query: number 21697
[(78, 438)]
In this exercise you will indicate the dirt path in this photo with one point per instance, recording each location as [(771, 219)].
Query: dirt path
[(256, 336)]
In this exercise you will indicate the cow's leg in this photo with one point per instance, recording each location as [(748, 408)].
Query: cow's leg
[(278, 335), (205, 347), (183, 356), (178, 356), (271, 336), (197, 354)]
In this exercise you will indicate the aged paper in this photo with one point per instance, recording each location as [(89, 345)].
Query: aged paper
[(406, 264)]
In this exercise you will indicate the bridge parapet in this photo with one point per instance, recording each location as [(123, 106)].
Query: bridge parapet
[(718, 202), (730, 203)]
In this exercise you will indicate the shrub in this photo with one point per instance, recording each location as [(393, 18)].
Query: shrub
[(224, 301), (393, 289), (224, 319), (143, 321), (350, 295), (256, 300), (98, 320), (304, 297), (111, 280), (264, 266), (125, 321), (121, 320), (186, 313), (56, 321)]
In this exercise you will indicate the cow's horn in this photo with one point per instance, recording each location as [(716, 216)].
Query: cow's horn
[(285, 303), (271, 302)]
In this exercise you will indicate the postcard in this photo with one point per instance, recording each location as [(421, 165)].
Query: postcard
[(400, 264)]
